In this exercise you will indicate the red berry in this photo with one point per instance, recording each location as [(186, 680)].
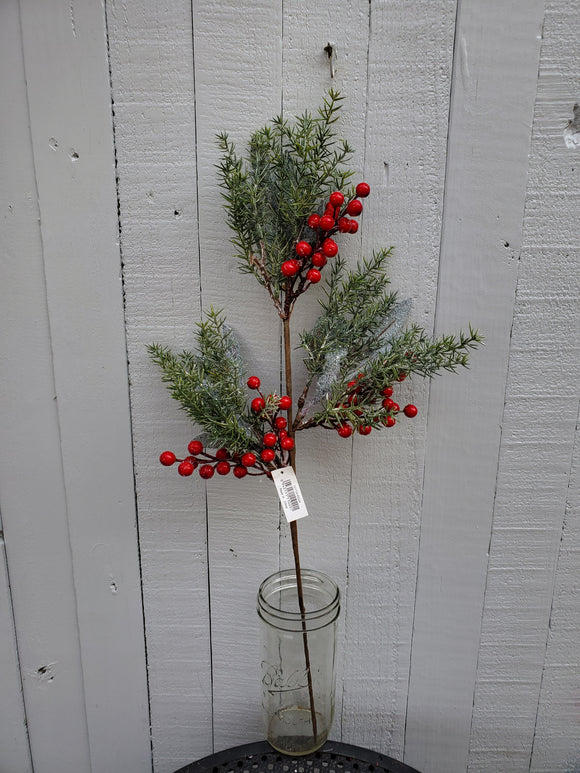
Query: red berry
[(326, 223), (206, 471), (318, 260), (195, 447), (343, 225), (282, 434), (390, 421), (222, 468), (253, 382), (270, 439), (388, 403), (285, 402), (354, 207), (345, 430), (185, 468), (287, 443), (402, 376), (363, 190), (313, 221), (365, 430), (336, 199), (221, 453), (167, 458), (329, 248), (290, 267), (280, 422), (387, 391), (240, 472), (303, 249), (314, 276), (353, 227), (410, 410), (258, 404), (395, 407), (268, 455), (249, 459), (193, 461)]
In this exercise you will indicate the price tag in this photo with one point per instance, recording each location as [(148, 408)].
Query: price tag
[(289, 492)]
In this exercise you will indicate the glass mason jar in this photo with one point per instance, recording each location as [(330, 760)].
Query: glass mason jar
[(298, 659)]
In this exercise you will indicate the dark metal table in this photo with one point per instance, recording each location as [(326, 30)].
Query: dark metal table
[(333, 757)]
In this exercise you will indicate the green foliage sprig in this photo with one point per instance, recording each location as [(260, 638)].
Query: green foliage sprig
[(268, 195), (209, 385), (284, 201)]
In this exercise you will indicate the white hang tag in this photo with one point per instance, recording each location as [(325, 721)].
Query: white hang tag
[(289, 493)]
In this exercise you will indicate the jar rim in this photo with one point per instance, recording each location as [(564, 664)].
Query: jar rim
[(273, 583)]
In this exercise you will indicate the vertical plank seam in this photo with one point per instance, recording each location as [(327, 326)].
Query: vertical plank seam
[(199, 263), (454, 67), (491, 531), (129, 393), (567, 509), (350, 488), (4, 546), (57, 407)]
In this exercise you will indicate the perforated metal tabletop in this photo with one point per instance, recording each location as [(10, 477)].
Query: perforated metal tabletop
[(333, 757)]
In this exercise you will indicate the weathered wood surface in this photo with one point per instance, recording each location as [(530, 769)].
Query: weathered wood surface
[(485, 191), (67, 478), (531, 604), (454, 537), (405, 210), (151, 56)]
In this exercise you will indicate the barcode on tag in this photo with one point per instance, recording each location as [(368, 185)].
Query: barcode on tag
[(289, 492)]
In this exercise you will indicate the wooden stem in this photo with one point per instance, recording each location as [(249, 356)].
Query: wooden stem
[(294, 528)]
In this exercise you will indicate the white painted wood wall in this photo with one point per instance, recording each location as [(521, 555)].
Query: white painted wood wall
[(126, 593)]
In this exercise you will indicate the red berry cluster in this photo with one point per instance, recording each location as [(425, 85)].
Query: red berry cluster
[(312, 255), (207, 464), (275, 445), (357, 393), (276, 442)]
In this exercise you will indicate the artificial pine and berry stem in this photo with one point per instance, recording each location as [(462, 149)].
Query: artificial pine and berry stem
[(287, 202)]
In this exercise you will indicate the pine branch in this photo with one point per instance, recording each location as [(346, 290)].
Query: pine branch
[(284, 200), (209, 385), (268, 194), (354, 321)]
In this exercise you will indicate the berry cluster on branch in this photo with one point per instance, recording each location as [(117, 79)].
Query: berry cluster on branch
[(289, 205), (312, 254), (271, 447)]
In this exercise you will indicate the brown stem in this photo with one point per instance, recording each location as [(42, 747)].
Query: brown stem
[(294, 529), (300, 405)]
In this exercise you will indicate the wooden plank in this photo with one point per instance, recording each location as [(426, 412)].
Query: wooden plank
[(14, 745), (151, 55), (33, 516), (531, 593), (410, 59), (238, 89), (556, 745), (324, 460), (65, 58), (494, 81)]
